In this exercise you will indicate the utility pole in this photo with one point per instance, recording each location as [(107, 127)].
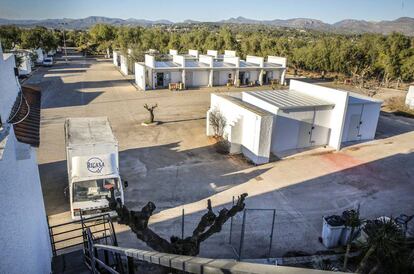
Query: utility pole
[(64, 42)]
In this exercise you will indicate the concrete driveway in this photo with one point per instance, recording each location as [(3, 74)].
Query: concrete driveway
[(174, 165)]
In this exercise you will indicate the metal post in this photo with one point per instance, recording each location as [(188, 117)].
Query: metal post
[(182, 225), (242, 234), (64, 45), (91, 251), (131, 269), (231, 224), (271, 233)]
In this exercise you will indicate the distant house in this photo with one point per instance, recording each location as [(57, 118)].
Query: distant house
[(40, 55), (208, 70), (123, 61), (283, 122), (26, 65)]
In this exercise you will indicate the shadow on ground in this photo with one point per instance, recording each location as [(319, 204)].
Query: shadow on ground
[(382, 188)]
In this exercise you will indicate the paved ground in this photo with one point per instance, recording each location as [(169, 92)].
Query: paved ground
[(174, 165)]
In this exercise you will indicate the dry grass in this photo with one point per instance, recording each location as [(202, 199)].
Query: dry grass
[(397, 106)]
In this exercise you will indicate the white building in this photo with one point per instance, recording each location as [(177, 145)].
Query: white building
[(211, 69), (409, 99), (24, 237), (40, 55), (123, 62), (302, 117), (25, 67)]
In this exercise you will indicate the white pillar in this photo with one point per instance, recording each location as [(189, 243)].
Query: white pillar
[(236, 78), (210, 78), (261, 77), (183, 77), (282, 77)]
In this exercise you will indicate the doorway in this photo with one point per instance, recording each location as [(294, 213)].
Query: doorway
[(160, 79), (354, 123), (241, 78)]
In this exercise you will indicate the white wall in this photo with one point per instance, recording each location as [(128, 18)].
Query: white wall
[(287, 124), (223, 77), (115, 58), (232, 60), (248, 131), (24, 231), (277, 60), (175, 76), (140, 80), (212, 53), (179, 59), (200, 78), (255, 60), (369, 114), (149, 61), (40, 56), (231, 53), (8, 84), (24, 237), (193, 52), (25, 67), (337, 97), (206, 59), (173, 52), (409, 99), (124, 64)]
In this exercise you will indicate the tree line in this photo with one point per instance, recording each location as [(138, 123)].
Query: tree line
[(385, 58)]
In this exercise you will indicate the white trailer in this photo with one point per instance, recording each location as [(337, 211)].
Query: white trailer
[(93, 166)]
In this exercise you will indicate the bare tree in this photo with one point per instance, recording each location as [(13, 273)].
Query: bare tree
[(218, 122), (151, 112), (209, 224)]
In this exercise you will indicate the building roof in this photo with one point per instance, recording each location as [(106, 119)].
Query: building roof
[(355, 98), (221, 64), (248, 106), (25, 116), (272, 65), (289, 99), (166, 64), (88, 130), (195, 64)]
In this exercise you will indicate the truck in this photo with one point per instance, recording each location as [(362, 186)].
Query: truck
[(92, 165)]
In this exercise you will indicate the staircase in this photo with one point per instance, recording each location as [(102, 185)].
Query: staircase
[(68, 242)]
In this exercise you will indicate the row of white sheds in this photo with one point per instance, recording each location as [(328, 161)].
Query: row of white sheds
[(282, 122)]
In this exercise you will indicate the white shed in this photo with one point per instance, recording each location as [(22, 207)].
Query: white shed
[(299, 120), (304, 116)]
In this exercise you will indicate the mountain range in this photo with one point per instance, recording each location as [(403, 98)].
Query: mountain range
[(404, 25)]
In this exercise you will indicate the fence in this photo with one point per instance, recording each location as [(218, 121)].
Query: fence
[(251, 234)]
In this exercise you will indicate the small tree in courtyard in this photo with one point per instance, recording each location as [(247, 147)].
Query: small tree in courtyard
[(218, 122), (151, 112)]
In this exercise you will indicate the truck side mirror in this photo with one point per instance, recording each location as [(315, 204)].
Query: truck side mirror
[(125, 184)]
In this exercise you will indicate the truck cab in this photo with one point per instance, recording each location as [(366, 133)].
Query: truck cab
[(93, 169)]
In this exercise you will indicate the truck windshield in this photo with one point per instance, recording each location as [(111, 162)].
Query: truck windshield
[(94, 189)]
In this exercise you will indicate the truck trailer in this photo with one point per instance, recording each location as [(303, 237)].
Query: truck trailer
[(93, 166)]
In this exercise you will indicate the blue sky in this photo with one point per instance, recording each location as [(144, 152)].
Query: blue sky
[(329, 11)]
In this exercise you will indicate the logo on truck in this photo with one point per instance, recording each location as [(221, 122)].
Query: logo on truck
[(95, 165)]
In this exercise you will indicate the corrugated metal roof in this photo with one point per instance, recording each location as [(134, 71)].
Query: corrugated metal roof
[(250, 107), (88, 130), (289, 99), (25, 116)]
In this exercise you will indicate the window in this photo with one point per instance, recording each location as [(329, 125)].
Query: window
[(229, 75), (94, 189)]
